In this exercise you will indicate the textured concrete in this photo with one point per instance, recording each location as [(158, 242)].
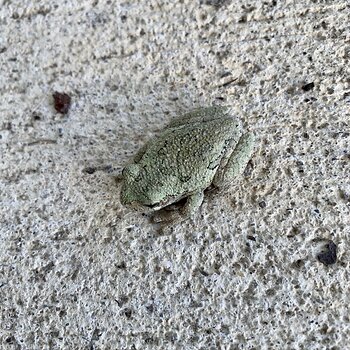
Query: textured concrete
[(79, 271)]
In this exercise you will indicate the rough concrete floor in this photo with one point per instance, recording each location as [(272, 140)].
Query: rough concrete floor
[(78, 270)]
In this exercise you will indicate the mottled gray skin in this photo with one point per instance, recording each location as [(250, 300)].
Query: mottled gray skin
[(203, 148)]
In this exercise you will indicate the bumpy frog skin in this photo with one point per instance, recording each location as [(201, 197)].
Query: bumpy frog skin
[(203, 148)]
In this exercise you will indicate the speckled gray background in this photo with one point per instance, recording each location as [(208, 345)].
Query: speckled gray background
[(79, 271)]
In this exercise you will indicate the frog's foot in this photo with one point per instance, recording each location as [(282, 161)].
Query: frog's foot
[(192, 204), (236, 163)]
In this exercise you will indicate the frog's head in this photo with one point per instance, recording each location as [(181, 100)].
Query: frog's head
[(140, 191)]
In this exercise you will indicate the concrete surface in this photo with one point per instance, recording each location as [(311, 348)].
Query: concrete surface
[(79, 271)]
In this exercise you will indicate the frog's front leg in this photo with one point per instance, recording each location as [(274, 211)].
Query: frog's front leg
[(236, 162), (193, 202)]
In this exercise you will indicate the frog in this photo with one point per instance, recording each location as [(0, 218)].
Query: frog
[(203, 149)]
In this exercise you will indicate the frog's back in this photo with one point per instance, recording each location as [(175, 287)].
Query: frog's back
[(191, 152)]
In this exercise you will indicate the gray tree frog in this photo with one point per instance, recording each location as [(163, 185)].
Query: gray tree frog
[(201, 149)]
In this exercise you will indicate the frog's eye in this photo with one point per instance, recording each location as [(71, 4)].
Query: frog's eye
[(131, 170)]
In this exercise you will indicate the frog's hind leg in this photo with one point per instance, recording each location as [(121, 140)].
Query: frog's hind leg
[(193, 202), (236, 162)]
